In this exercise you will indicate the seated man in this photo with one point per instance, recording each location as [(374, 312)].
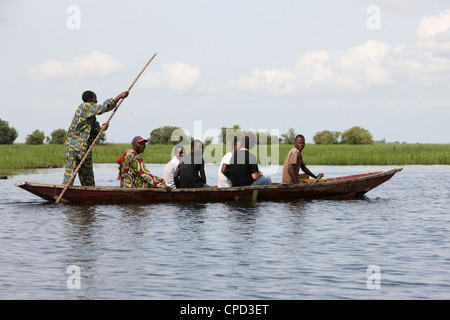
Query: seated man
[(191, 170), (294, 162), (172, 165), (223, 176), (132, 170), (243, 166)]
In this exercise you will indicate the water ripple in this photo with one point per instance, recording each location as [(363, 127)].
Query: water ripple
[(318, 249)]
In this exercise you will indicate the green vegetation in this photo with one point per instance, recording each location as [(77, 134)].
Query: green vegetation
[(7, 134), (35, 138), (354, 135), (14, 158), (376, 154), (57, 137)]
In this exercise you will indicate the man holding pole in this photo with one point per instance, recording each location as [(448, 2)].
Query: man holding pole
[(82, 132)]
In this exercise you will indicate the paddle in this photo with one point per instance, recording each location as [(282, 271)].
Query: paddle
[(100, 132), (313, 183)]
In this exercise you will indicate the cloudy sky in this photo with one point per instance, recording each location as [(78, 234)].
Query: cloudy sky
[(264, 65)]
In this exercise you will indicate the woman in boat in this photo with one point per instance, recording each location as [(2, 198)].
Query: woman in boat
[(132, 171)]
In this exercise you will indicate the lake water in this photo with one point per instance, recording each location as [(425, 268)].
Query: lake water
[(394, 244)]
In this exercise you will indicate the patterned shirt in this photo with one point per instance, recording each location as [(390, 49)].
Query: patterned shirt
[(84, 126), (134, 174)]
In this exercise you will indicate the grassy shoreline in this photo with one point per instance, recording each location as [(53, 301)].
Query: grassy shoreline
[(16, 157)]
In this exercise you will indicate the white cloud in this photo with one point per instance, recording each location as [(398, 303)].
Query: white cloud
[(95, 64), (432, 26), (353, 69), (367, 66), (433, 33), (275, 81), (177, 75)]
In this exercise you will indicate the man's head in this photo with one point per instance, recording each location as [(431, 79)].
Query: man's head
[(197, 147), (178, 151), (89, 96), (236, 144), (139, 144), (299, 142), (248, 140)]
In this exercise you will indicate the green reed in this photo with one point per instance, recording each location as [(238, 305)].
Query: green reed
[(378, 154), (14, 158)]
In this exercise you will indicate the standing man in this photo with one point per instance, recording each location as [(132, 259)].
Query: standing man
[(294, 162), (82, 132), (132, 171)]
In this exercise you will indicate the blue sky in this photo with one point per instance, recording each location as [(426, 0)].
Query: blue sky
[(264, 65)]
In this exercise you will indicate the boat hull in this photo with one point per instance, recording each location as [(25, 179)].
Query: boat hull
[(352, 186)]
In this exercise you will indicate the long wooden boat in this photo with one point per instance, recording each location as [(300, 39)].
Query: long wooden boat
[(352, 186)]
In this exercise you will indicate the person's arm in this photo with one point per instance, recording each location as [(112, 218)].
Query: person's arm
[(226, 171), (123, 95), (308, 172), (104, 126), (253, 167), (175, 177), (256, 175), (203, 175), (293, 174)]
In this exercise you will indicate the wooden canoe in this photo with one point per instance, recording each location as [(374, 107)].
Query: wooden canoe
[(352, 186)]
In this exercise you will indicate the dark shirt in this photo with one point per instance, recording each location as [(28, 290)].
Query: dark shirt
[(189, 171), (242, 165)]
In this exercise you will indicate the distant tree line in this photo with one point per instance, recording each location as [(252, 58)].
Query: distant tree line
[(174, 135), (8, 135), (354, 135)]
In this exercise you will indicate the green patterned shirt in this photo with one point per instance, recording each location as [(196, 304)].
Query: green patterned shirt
[(84, 126)]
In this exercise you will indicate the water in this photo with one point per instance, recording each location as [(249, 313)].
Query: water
[(317, 249)]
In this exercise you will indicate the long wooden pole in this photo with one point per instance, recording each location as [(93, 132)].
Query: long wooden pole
[(313, 183), (100, 132)]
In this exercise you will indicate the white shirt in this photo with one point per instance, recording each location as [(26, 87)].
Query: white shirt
[(222, 180), (169, 171)]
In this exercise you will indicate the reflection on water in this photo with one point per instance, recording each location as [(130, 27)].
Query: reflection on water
[(302, 249)]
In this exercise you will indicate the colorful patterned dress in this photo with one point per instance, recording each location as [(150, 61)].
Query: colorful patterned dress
[(81, 134), (134, 174)]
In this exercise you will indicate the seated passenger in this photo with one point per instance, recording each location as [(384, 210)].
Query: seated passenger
[(244, 167), (223, 176), (172, 165), (191, 170), (132, 170), (294, 162)]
